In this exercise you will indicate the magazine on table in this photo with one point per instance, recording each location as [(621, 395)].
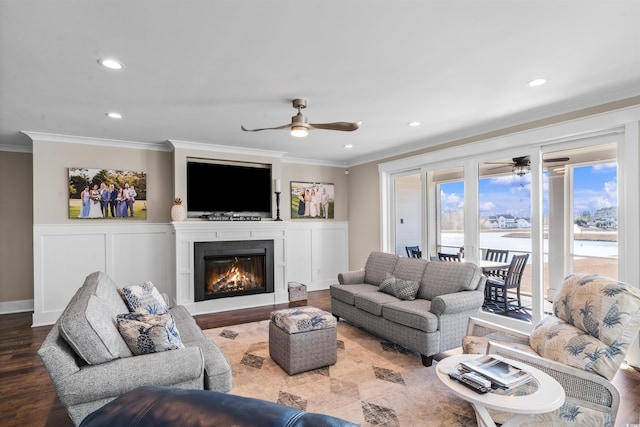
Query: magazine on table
[(497, 371)]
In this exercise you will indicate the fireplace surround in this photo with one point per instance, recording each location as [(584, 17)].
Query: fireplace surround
[(233, 268)]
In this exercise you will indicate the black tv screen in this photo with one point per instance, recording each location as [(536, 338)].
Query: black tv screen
[(228, 188)]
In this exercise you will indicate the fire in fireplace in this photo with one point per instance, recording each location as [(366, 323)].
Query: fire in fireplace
[(224, 269)]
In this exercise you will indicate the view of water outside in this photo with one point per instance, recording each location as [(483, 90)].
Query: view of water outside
[(505, 212)]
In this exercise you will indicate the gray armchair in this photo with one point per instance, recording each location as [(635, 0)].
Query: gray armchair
[(582, 346)]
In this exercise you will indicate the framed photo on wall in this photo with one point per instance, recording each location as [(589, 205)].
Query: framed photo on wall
[(312, 200), (107, 193)]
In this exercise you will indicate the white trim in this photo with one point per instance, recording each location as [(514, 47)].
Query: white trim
[(20, 306), (16, 148), (629, 205), (102, 142), (188, 145), (302, 161)]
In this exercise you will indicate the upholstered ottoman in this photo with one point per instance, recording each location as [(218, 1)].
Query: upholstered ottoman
[(302, 339)]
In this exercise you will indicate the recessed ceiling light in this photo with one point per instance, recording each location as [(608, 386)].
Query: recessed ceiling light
[(114, 115), (111, 63), (413, 124), (348, 146), (536, 82)]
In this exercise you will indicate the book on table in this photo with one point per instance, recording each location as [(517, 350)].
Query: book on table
[(499, 372)]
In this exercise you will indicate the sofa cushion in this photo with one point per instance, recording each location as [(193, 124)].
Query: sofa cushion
[(596, 320), (302, 319), (144, 298), (372, 302), (347, 293), (584, 298), (399, 288), (443, 277), (149, 333), (88, 323), (377, 266), (414, 314), (410, 269)]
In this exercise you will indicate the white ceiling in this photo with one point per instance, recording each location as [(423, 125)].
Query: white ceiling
[(197, 70)]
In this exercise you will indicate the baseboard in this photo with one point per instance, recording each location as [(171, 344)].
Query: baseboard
[(7, 307)]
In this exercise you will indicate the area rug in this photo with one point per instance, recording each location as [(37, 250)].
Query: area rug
[(373, 383)]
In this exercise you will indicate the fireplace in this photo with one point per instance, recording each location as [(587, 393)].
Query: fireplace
[(232, 268)]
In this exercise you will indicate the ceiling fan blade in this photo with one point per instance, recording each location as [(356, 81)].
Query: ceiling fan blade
[(343, 126), (504, 165), (499, 163), (256, 130), (557, 159)]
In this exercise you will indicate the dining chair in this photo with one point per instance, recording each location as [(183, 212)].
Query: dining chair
[(450, 257), (496, 255), (413, 251), (497, 288)]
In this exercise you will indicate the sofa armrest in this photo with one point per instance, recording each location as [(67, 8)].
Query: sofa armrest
[(112, 379), (457, 302), (351, 277)]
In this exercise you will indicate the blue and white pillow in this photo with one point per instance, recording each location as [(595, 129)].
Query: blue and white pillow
[(149, 333), (144, 299)]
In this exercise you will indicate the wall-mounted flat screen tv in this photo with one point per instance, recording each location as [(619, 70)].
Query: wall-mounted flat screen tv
[(228, 188)]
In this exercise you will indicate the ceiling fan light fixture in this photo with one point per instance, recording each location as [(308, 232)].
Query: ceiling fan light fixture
[(537, 82), (111, 63), (521, 170), (299, 131)]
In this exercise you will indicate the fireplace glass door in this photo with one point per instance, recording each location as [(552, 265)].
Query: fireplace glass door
[(237, 274)]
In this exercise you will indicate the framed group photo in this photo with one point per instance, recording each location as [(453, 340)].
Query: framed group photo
[(312, 200), (107, 193)]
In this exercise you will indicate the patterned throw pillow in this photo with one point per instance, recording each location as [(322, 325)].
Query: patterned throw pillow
[(403, 289), (144, 299), (149, 333)]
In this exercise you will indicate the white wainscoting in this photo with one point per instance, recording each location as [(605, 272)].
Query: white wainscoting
[(65, 254), (309, 252), (317, 252)]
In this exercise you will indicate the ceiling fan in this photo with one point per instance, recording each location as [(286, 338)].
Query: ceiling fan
[(300, 125), (522, 165)]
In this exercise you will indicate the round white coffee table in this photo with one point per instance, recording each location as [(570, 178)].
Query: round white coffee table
[(547, 396)]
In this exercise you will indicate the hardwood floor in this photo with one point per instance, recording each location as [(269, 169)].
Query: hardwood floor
[(27, 397)]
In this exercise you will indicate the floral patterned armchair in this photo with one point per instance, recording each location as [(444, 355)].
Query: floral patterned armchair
[(582, 346)]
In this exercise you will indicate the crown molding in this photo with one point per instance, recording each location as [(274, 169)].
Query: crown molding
[(314, 162), (16, 148), (190, 145), (102, 142)]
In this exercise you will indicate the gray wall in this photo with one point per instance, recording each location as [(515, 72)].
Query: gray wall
[(16, 227), (51, 161)]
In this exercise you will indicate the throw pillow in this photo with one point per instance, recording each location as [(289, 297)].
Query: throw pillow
[(403, 289), (149, 333), (144, 298)]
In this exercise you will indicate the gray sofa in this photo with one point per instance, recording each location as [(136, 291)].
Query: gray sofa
[(435, 321), (90, 364)]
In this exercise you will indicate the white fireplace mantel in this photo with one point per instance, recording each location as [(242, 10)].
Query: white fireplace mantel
[(191, 231)]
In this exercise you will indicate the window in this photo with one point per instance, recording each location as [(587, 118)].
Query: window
[(447, 186)]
